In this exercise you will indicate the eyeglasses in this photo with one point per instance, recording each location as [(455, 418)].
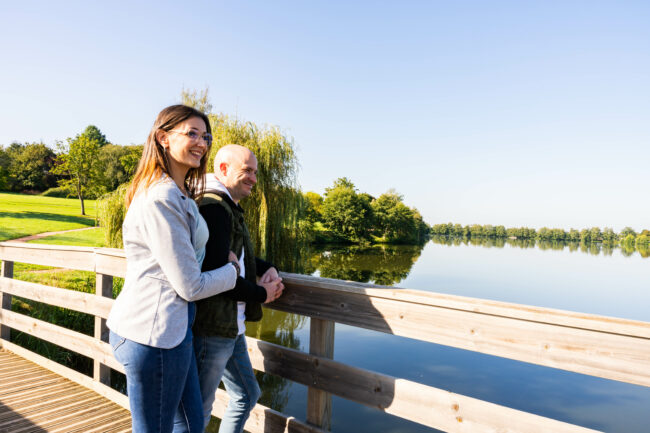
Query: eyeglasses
[(194, 136)]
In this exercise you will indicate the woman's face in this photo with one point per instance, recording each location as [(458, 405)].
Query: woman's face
[(186, 144)]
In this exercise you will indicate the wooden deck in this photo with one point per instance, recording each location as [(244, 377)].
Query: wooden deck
[(34, 399)]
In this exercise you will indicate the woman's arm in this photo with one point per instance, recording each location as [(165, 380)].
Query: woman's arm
[(165, 226)]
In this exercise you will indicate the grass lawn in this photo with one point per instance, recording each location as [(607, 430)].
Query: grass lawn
[(82, 281), (24, 215), (84, 238)]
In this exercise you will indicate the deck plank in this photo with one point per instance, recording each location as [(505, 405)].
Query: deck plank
[(35, 400)]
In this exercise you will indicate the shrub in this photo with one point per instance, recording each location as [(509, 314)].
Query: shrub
[(59, 191), (110, 213)]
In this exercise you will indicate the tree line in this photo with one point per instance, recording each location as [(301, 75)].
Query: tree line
[(345, 215), (86, 166), (595, 234), (593, 248)]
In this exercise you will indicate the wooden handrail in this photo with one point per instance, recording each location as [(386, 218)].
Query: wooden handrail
[(606, 347)]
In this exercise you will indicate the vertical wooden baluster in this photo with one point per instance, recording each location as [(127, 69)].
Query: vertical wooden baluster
[(103, 287), (5, 299), (321, 343)]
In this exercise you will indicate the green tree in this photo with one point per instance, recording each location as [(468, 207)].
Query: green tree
[(79, 161), (558, 234), (595, 234), (381, 208), (544, 233), (5, 163), (313, 207), (345, 212), (476, 230), (402, 225), (131, 159), (30, 167), (197, 99), (489, 230), (118, 164), (574, 235), (608, 235), (627, 231), (272, 210), (629, 239), (393, 219), (93, 133), (397, 223)]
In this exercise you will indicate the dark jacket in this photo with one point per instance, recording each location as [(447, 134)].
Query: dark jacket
[(217, 315)]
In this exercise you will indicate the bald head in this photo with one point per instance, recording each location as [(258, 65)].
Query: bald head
[(231, 153), (236, 167)]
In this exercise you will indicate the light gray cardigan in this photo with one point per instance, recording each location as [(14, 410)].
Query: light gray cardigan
[(162, 272)]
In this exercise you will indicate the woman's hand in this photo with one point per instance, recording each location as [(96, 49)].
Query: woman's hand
[(232, 257)]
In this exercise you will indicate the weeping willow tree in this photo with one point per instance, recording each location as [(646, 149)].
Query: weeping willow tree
[(110, 213), (274, 208)]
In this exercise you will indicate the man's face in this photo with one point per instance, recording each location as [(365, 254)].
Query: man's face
[(240, 176)]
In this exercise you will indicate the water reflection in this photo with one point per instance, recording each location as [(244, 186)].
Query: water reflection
[(514, 272), (379, 264), (593, 248), (279, 328)]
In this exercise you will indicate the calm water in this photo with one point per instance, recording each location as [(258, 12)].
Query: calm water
[(596, 280)]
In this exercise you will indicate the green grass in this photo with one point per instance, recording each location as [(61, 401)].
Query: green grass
[(85, 238), (24, 215)]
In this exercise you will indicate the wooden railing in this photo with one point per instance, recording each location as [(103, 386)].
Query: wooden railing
[(610, 348)]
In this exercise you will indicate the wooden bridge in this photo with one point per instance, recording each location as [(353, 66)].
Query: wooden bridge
[(39, 395)]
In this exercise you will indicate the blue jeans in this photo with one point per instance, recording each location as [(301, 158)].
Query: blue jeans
[(227, 358), (162, 384)]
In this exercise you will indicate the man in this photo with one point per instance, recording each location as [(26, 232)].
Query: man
[(219, 341)]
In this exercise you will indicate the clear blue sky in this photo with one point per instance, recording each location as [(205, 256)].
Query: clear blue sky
[(492, 112)]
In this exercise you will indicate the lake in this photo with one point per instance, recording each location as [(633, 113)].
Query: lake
[(591, 279)]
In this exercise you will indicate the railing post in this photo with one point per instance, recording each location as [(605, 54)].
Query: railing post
[(5, 299), (321, 343), (103, 287)]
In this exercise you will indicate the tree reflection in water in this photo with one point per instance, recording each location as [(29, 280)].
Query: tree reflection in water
[(593, 248), (384, 265), (279, 328), (380, 264)]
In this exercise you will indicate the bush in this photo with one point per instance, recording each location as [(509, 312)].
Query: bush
[(59, 191), (110, 213)]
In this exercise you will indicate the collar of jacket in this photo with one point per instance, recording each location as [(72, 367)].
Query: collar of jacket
[(226, 197)]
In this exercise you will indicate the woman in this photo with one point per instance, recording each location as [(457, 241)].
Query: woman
[(164, 241)]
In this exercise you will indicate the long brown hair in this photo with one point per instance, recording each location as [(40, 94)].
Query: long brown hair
[(154, 164)]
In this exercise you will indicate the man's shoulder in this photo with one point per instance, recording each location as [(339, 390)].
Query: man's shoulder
[(212, 197), (218, 198), (214, 208)]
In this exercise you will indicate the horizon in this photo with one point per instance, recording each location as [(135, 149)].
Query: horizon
[(504, 113)]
